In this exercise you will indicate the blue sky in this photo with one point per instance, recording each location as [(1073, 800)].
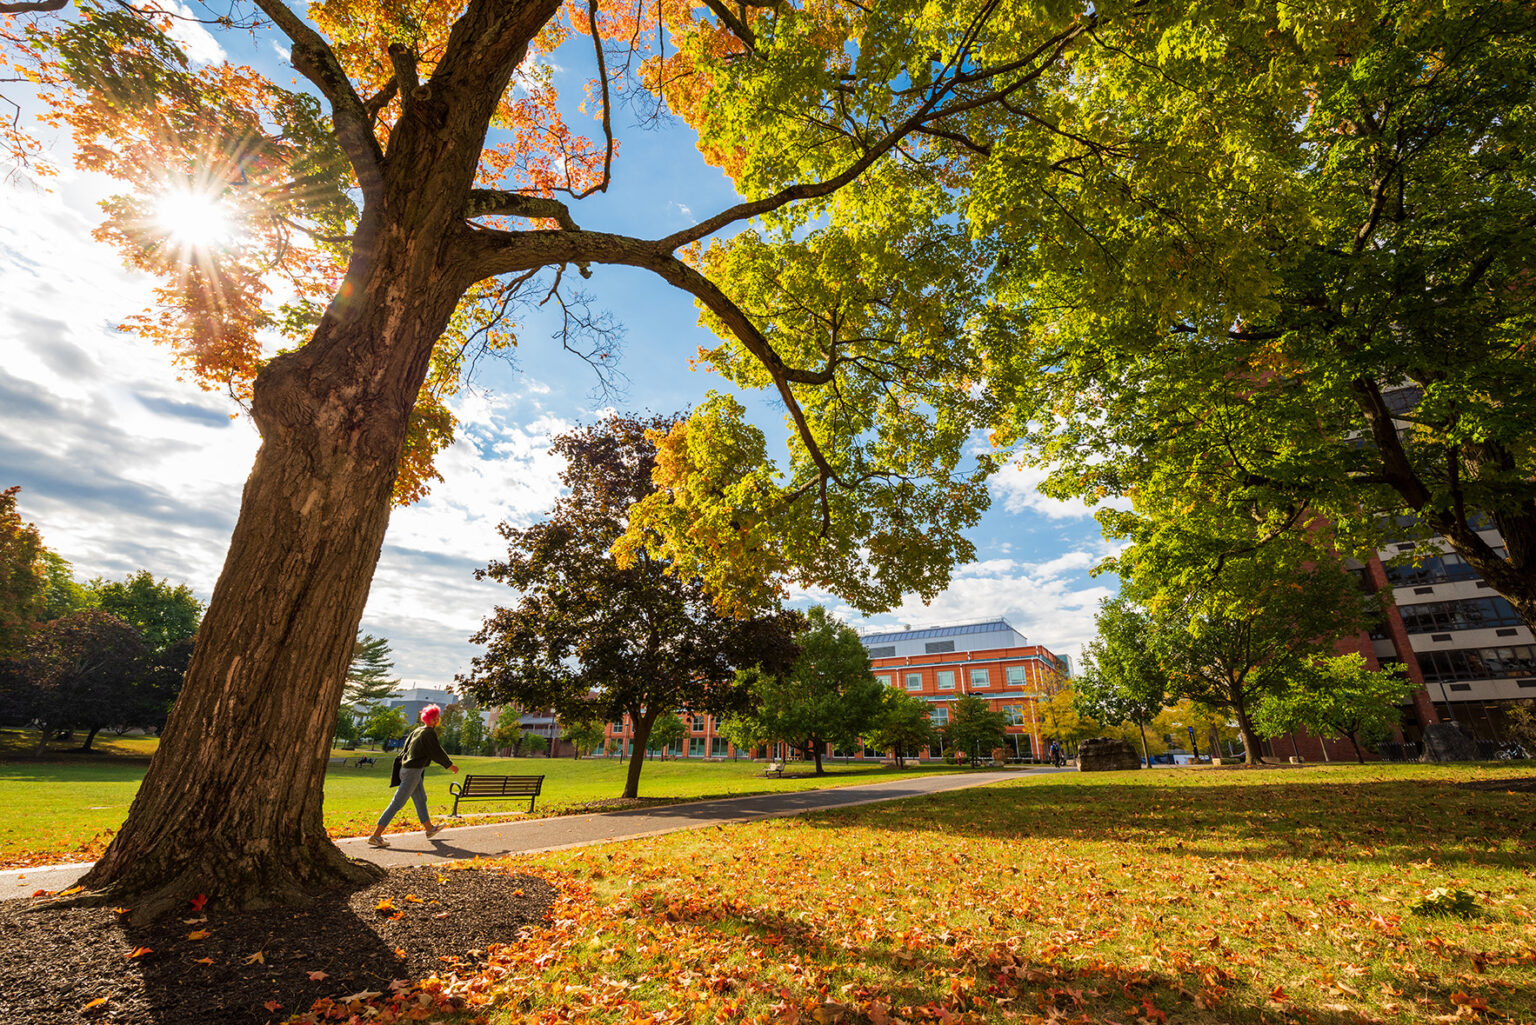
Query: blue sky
[(124, 466)]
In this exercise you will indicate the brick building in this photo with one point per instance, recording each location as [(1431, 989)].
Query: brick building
[(938, 664), (989, 659)]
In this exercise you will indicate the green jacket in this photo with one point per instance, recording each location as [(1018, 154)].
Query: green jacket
[(422, 748)]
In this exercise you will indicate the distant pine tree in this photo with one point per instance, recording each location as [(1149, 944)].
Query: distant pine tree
[(368, 677)]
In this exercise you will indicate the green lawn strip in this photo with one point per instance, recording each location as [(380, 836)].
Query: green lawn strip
[(66, 808), (1205, 896)]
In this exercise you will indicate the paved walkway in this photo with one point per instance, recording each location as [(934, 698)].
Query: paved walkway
[(527, 836)]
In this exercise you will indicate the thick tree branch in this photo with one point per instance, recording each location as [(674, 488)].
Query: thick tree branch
[(492, 252), (33, 6), (737, 25), (314, 59), (499, 203)]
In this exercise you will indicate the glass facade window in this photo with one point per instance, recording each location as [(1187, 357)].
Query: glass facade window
[(884, 678), (889, 651), (1015, 714), (939, 715), (938, 647), (1436, 569), (1466, 614), (719, 747), (1016, 676), (981, 678), (946, 679), (914, 681), (698, 724), (1478, 663)]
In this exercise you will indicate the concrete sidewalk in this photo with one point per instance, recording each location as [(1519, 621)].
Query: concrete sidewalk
[(528, 836)]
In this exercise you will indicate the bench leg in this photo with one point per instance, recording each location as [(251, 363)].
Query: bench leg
[(455, 812)]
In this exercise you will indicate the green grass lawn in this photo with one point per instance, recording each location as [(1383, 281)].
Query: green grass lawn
[(66, 807), (1147, 898)]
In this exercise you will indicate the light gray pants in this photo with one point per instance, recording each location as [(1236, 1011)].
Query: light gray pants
[(411, 787)]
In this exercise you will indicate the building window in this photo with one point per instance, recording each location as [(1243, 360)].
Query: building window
[(939, 715), (885, 679), (946, 679), (914, 681), (1466, 614), (698, 724), (981, 678), (1477, 663), (718, 747), (889, 651), (618, 727), (1016, 677), (1015, 714), (938, 647)]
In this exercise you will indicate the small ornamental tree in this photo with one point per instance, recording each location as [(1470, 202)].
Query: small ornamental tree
[(589, 636), (1340, 696), (745, 733), (1062, 719), (533, 743), (507, 734), (382, 724), (901, 725), (667, 729), (1121, 680), (974, 727), (828, 695), (583, 735)]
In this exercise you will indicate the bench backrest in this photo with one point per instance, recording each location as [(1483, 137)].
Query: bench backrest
[(501, 786)]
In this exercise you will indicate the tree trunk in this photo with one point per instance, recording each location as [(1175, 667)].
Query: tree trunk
[(231, 806), (1355, 743), (85, 748), (1252, 747), (818, 746), (1145, 758), (637, 752)]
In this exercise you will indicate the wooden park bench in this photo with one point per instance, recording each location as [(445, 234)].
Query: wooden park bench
[(774, 769), (496, 788)]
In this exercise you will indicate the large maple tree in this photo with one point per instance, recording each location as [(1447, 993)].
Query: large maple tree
[(390, 209)]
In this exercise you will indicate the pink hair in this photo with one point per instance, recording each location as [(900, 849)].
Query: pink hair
[(431, 714)]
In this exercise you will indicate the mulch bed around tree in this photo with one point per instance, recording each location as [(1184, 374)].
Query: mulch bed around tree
[(1520, 784), (257, 966)]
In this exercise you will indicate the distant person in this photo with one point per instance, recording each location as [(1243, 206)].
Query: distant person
[(1056, 758), (421, 749)]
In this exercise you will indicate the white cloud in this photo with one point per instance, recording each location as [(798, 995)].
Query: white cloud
[(1052, 603), (193, 38), (1019, 489)]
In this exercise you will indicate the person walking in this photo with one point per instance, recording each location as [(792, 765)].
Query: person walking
[(1056, 758), (421, 749)]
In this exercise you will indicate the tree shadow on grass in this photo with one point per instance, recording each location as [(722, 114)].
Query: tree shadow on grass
[(1063, 988), (1392, 822)]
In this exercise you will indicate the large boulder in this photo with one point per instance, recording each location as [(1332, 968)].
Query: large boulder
[(1445, 742), (1106, 754)]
